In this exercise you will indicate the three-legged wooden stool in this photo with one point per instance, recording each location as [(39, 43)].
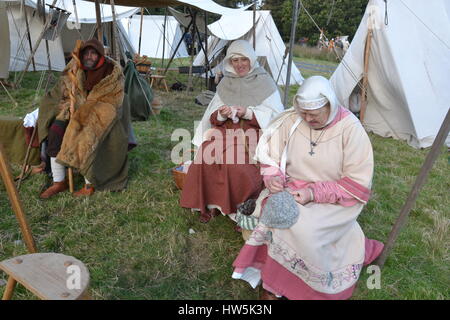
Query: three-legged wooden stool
[(159, 78), (50, 276)]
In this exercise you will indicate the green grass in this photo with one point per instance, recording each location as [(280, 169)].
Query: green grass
[(136, 243)]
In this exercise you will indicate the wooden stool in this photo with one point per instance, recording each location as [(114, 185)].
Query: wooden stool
[(160, 78), (50, 276)]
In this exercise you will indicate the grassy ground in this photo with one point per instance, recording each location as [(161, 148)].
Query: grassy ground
[(136, 243)]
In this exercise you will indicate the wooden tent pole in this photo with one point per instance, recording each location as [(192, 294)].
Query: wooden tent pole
[(291, 48), (98, 21), (365, 77), (28, 33), (206, 52), (13, 195), (194, 33), (254, 25), (140, 31), (114, 32), (33, 52), (164, 38), (420, 181), (176, 48)]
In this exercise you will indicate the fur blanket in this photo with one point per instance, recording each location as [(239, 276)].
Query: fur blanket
[(96, 139), (95, 114)]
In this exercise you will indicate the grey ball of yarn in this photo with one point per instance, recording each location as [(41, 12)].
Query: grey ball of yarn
[(280, 211)]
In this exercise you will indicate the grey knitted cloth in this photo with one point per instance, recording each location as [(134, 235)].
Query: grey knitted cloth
[(280, 211)]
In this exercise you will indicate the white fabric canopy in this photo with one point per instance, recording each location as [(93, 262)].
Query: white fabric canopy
[(153, 36), (20, 50), (226, 27), (409, 66), (5, 48), (269, 43)]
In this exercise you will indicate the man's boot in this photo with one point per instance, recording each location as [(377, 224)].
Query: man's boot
[(87, 190), (55, 188)]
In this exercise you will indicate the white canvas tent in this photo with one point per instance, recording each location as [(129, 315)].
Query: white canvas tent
[(408, 72), (5, 48), (153, 36), (64, 44), (19, 47), (269, 43)]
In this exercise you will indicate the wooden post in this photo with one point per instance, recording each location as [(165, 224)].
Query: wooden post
[(28, 33), (291, 48), (9, 290), (13, 195), (420, 180), (206, 51), (254, 25), (140, 31), (365, 77), (99, 22), (114, 32), (194, 28), (176, 48), (164, 38), (27, 155), (36, 46)]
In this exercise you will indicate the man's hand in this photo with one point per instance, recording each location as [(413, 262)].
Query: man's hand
[(225, 111), (275, 185), (302, 196)]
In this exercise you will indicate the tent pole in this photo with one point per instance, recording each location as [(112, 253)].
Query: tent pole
[(36, 46), (206, 57), (114, 32), (254, 25), (5, 172), (206, 51), (176, 48), (194, 29), (140, 31), (365, 77), (164, 38), (28, 32), (291, 49), (99, 22), (420, 181)]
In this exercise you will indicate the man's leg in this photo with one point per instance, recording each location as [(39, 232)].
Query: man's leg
[(55, 137), (87, 190)]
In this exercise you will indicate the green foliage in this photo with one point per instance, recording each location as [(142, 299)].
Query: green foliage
[(339, 19)]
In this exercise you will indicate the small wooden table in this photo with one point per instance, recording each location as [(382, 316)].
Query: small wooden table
[(50, 276), (159, 78)]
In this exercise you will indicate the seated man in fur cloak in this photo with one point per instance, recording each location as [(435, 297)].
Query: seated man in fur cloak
[(86, 122)]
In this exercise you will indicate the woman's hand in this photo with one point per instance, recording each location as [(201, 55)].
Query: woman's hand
[(225, 111), (303, 196), (241, 111), (275, 185)]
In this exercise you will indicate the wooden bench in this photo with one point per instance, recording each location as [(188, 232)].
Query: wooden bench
[(50, 276), (159, 78)]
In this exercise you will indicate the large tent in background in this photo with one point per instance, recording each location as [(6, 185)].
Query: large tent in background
[(269, 43), (4, 36), (152, 40), (64, 44), (87, 24), (19, 47), (408, 92)]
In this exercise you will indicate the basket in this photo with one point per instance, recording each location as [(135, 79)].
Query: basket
[(143, 67), (178, 177)]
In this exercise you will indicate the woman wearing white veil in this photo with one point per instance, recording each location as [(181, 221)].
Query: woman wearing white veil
[(223, 174), (318, 156)]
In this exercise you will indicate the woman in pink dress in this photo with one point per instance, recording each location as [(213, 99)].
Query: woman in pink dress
[(318, 156)]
